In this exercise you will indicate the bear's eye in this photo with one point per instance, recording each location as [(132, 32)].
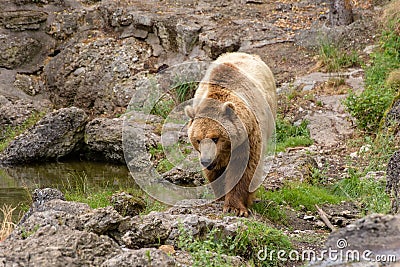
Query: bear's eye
[(215, 139)]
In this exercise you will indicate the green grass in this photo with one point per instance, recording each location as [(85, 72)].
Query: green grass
[(289, 135), (251, 237), (158, 155), (293, 195), (10, 132), (78, 189), (181, 90), (334, 59), (369, 107), (369, 192)]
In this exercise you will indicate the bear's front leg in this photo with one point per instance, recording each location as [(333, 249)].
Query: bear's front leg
[(238, 199)]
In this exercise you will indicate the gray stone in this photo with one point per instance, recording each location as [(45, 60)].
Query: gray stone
[(291, 166), (373, 235), (55, 136), (102, 220), (139, 258), (329, 128), (184, 177), (15, 51), (21, 20), (126, 204), (103, 138), (392, 181), (106, 84)]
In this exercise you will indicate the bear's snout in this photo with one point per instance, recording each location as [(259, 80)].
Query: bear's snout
[(208, 150)]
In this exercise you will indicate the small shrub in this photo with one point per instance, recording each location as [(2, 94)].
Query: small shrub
[(368, 191), (369, 107), (288, 135), (256, 237), (335, 59), (250, 239)]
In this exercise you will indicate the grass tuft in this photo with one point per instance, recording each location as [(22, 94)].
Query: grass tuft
[(7, 225), (251, 237), (289, 135)]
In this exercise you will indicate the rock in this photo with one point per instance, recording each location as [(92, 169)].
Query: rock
[(103, 139), (39, 197), (341, 13), (184, 177), (21, 20), (15, 113), (328, 128), (62, 233), (50, 238), (392, 180), (102, 220), (55, 136), (392, 118), (15, 51), (76, 77), (28, 84), (291, 166), (343, 214), (127, 205), (214, 44), (369, 237), (139, 258), (147, 231)]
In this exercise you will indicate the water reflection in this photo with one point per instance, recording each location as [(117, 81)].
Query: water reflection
[(17, 182)]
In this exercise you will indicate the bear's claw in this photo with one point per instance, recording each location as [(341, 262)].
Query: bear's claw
[(241, 212)]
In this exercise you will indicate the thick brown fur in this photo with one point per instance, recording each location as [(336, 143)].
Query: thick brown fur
[(224, 155)]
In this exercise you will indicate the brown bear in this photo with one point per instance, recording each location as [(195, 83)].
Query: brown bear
[(231, 120)]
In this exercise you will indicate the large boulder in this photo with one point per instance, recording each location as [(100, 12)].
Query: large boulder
[(370, 241), (62, 233), (55, 136), (103, 138), (95, 73)]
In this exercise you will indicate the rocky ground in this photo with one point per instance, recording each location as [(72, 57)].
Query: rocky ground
[(77, 63)]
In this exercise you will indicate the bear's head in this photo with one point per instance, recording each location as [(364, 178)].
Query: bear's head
[(214, 131)]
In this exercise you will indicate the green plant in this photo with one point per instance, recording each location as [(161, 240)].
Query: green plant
[(335, 59), (180, 91), (77, 188), (183, 89), (251, 238), (288, 135), (298, 195), (255, 237), (163, 107), (369, 107), (205, 252), (25, 233), (158, 155), (368, 191)]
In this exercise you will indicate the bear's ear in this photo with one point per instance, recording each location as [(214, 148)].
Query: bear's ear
[(228, 108), (189, 111)]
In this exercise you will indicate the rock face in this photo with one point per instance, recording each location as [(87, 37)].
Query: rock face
[(103, 139), (55, 136), (370, 238), (61, 233)]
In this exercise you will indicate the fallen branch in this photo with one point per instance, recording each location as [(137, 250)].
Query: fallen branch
[(324, 218)]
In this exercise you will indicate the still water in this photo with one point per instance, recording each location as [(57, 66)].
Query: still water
[(16, 183)]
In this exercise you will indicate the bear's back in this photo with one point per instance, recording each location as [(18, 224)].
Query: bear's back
[(255, 70)]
